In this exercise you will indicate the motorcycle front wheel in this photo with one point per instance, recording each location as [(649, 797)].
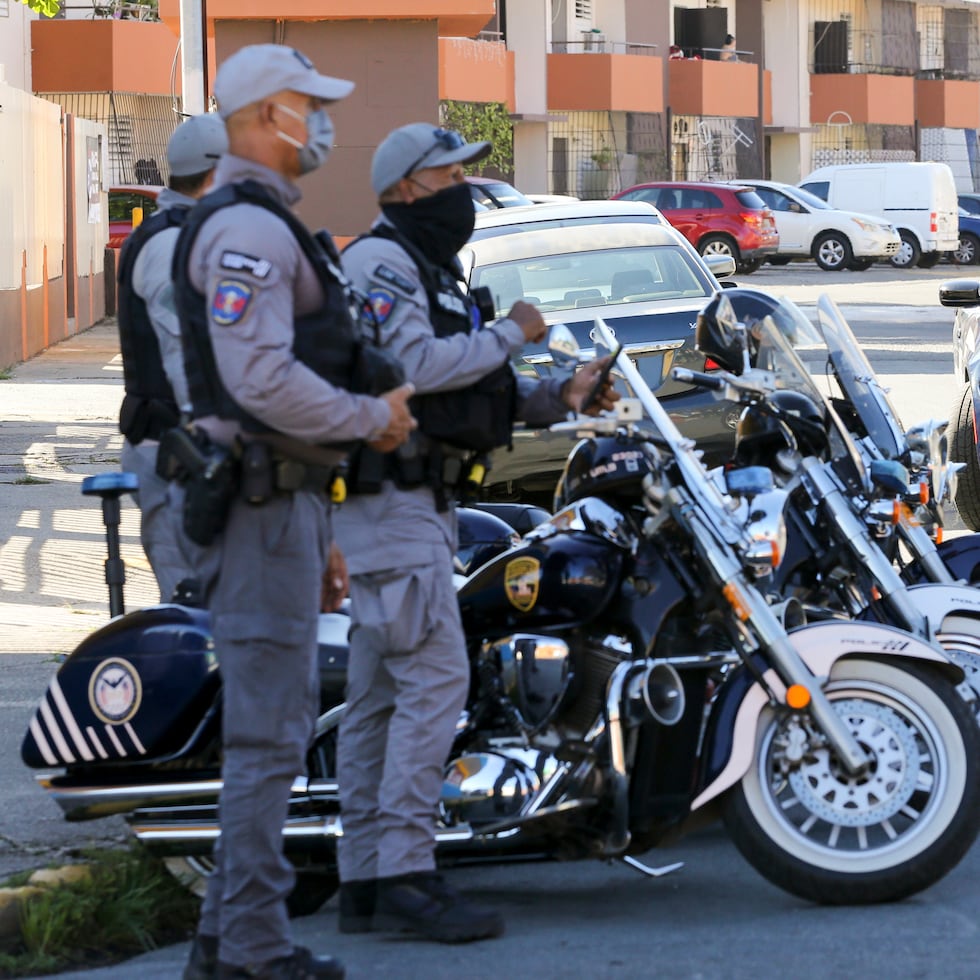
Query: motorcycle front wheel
[(836, 839)]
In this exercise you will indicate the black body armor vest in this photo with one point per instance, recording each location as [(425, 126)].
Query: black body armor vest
[(477, 418), (149, 407), (327, 341)]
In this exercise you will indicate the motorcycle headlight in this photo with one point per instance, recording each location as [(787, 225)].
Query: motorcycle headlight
[(764, 522)]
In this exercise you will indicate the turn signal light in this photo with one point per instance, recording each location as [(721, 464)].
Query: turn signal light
[(734, 596), (923, 492), (797, 697), (939, 535)]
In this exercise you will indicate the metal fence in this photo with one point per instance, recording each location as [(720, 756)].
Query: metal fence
[(138, 128), (715, 148)]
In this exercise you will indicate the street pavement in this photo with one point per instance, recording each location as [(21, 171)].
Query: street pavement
[(58, 416)]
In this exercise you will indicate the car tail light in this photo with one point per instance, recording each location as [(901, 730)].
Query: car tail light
[(710, 364), (933, 221), (755, 218)]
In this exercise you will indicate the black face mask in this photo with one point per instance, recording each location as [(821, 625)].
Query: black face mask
[(439, 225)]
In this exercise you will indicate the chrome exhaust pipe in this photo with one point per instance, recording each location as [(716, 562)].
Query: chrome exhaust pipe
[(86, 802)]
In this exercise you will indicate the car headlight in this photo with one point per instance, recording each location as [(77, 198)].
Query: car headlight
[(867, 225)]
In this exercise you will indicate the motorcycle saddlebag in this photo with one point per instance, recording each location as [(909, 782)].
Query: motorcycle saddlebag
[(135, 691)]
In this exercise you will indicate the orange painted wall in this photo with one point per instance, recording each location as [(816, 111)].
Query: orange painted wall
[(597, 82), (102, 56), (883, 99), (713, 88), (457, 18), (947, 103), (475, 71)]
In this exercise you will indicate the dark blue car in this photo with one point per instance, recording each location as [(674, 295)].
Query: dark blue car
[(968, 252)]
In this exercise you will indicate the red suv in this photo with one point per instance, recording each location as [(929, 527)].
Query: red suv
[(717, 219)]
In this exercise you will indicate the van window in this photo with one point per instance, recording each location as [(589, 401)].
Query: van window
[(819, 187)]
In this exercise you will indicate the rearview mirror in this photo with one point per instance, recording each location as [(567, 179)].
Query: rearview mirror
[(563, 347)]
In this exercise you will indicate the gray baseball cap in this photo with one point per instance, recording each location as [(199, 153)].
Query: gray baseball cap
[(418, 146), (257, 71), (196, 144)]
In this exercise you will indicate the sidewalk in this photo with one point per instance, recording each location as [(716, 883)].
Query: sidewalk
[(58, 424)]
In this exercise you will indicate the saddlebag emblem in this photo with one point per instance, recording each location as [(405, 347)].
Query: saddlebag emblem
[(522, 577)]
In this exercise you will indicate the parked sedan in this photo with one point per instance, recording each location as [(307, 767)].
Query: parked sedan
[(963, 295), (716, 218), (810, 228), (492, 193), (644, 280)]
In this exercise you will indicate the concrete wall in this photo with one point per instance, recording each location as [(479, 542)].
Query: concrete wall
[(396, 65), (15, 46)]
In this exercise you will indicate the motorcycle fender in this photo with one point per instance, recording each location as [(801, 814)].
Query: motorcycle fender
[(820, 646), (936, 602), (962, 556)]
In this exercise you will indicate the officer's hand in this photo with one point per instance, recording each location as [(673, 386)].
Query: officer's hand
[(529, 319), (577, 390), (336, 583), (400, 424)]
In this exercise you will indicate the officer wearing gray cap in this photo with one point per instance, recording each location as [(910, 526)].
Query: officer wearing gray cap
[(153, 364), (408, 673), (269, 348)]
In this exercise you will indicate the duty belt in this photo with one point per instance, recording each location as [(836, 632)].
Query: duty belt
[(290, 475)]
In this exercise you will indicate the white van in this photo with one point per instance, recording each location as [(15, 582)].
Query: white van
[(919, 199)]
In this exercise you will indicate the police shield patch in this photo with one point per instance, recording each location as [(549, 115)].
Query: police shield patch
[(381, 303), (522, 577), (231, 301)]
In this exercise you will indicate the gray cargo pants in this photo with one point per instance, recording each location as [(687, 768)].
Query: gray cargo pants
[(407, 680), (264, 610), (171, 554)]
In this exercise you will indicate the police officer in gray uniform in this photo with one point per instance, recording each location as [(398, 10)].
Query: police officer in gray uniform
[(267, 330), (408, 673), (153, 363)]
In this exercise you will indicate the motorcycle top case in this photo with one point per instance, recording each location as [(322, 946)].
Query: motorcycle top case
[(562, 580), (134, 692)]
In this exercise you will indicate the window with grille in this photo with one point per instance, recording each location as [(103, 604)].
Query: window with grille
[(4, 8)]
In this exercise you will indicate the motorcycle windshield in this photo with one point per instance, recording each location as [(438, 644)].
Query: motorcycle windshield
[(859, 382), (782, 340)]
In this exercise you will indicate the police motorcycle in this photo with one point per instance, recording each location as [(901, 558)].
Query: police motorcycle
[(838, 753), (845, 507)]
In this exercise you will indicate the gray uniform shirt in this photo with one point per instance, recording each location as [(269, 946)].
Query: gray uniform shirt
[(153, 283), (401, 528), (256, 279)]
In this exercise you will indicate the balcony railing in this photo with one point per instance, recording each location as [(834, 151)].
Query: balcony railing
[(110, 10), (836, 49), (598, 44)]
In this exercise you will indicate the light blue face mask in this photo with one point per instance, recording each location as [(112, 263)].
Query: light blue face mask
[(319, 137)]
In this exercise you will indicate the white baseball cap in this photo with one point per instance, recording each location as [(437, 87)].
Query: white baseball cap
[(196, 144), (257, 71), (418, 146)]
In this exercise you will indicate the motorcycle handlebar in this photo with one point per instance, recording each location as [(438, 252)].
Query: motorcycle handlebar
[(698, 378)]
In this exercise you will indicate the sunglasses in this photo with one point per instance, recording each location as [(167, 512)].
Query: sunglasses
[(445, 139)]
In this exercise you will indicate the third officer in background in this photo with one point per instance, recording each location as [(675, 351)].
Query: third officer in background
[(153, 363), (408, 673)]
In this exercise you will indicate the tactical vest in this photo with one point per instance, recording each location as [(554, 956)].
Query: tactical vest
[(149, 407), (327, 341), (479, 417)]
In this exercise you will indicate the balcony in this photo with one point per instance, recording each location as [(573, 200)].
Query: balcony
[(713, 88), (102, 56), (837, 49), (605, 76), (456, 18), (884, 99), (475, 71), (953, 104)]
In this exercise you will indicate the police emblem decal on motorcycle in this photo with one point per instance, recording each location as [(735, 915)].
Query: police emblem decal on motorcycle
[(521, 579), (115, 691)]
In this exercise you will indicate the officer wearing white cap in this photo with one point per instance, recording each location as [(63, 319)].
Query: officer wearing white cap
[(153, 364), (270, 348), (408, 673)]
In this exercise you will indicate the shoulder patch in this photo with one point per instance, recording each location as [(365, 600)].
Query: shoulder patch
[(387, 274), (381, 302), (239, 262), (231, 301)]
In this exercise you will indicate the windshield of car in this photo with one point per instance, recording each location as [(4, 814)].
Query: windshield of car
[(498, 195), (811, 200), (637, 274)]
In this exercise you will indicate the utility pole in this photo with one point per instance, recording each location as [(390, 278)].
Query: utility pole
[(193, 57)]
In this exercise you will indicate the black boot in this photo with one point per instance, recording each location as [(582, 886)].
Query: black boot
[(357, 900), (424, 903), (301, 964), (203, 961)]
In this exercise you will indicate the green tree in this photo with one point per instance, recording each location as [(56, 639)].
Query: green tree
[(47, 8), (476, 121)]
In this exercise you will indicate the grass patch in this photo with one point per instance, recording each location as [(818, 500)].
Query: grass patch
[(128, 905), (28, 481), (6, 373)]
